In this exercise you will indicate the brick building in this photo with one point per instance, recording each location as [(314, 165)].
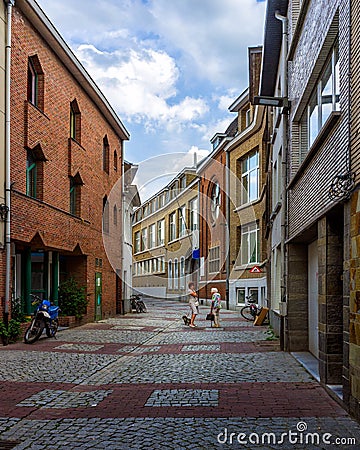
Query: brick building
[(213, 226), (66, 155), (165, 232)]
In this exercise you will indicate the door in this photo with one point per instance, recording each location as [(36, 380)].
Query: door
[(98, 296), (313, 302)]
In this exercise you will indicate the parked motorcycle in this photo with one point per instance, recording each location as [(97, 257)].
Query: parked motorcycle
[(137, 303), (45, 316)]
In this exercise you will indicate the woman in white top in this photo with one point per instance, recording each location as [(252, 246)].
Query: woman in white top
[(193, 303)]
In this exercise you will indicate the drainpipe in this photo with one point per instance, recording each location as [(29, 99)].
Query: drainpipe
[(9, 5), (227, 228), (284, 94)]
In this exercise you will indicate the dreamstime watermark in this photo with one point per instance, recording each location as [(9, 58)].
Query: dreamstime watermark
[(300, 436)]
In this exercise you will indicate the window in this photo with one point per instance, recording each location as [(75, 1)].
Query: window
[(35, 82), (75, 193), (161, 232), (183, 182), (137, 242), (115, 215), (152, 236), (215, 201), (240, 296), (247, 117), (31, 174), (214, 259), (250, 245), (105, 215), (323, 101), (182, 221), (172, 227), (115, 161), (194, 219), (176, 274), (106, 153), (182, 273), (75, 121), (170, 275), (144, 239), (250, 178)]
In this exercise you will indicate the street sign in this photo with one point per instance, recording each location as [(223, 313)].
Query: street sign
[(256, 269)]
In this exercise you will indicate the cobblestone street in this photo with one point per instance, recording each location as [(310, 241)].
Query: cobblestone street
[(145, 381)]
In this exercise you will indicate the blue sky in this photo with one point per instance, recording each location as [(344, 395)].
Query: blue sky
[(170, 68)]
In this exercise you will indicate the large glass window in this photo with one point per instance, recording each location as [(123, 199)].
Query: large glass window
[(137, 246), (214, 259), (176, 274), (182, 221), (152, 236), (170, 274), (172, 227), (324, 100), (250, 244), (144, 239), (194, 218), (182, 273), (161, 232), (250, 177)]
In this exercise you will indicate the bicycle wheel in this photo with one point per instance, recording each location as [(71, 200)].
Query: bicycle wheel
[(246, 313)]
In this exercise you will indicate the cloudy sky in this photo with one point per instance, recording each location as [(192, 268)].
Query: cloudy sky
[(170, 68)]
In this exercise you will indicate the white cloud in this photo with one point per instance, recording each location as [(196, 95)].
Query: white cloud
[(140, 83)]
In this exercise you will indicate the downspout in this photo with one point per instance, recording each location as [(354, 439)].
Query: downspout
[(284, 94), (9, 5), (227, 228), (122, 233)]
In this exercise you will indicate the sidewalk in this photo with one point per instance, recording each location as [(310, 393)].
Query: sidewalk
[(145, 381)]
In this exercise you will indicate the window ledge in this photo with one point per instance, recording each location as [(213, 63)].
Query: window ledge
[(247, 205), (247, 266), (325, 131)]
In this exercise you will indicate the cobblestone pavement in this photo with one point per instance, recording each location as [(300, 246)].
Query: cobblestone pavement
[(145, 381)]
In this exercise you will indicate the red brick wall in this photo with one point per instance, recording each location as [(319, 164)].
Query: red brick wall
[(212, 233), (51, 129)]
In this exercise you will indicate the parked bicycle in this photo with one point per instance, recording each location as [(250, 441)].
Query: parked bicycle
[(250, 311), (45, 317), (137, 303)]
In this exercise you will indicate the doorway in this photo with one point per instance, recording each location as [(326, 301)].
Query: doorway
[(313, 298), (98, 296)]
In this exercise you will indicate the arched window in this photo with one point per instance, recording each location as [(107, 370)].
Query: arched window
[(170, 274), (106, 154), (105, 215), (182, 273), (176, 274)]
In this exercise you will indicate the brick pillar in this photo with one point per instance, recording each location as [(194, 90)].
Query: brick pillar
[(330, 246), (296, 322), (346, 309)]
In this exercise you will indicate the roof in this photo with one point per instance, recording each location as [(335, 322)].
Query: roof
[(240, 101), (272, 46), (36, 16)]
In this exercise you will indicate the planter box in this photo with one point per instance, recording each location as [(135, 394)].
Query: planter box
[(68, 321)]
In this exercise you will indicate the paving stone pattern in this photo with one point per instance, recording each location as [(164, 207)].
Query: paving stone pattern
[(152, 383)]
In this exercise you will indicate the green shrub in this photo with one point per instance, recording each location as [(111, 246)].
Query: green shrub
[(72, 299), (17, 310), (12, 331)]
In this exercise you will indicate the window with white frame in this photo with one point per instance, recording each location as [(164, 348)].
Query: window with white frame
[(170, 274), (250, 245), (324, 100), (182, 221), (152, 236), (194, 218), (182, 273), (161, 232), (176, 274), (137, 246), (144, 239), (172, 227), (250, 177), (214, 259)]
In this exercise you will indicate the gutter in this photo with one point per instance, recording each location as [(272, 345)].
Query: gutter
[(9, 5)]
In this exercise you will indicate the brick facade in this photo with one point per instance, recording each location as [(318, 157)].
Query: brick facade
[(46, 235)]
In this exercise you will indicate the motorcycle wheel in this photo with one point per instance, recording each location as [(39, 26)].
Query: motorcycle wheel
[(52, 329), (34, 333)]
